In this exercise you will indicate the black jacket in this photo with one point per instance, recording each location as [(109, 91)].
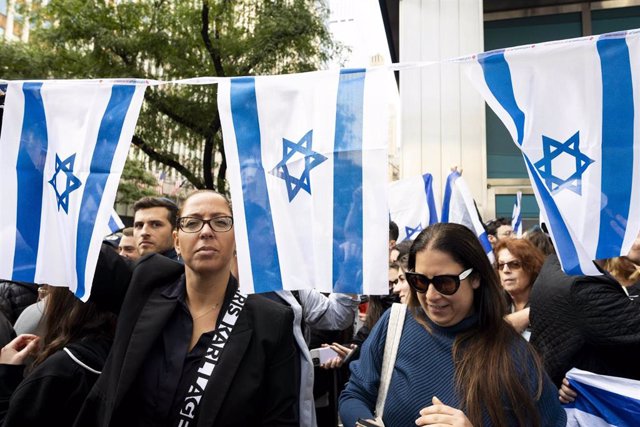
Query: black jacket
[(254, 383), (53, 393), (586, 322), (6, 330), (15, 297)]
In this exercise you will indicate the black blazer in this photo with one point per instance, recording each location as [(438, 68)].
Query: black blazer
[(254, 382)]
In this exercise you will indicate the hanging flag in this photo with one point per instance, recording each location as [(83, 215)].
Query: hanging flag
[(570, 108), (63, 147), (412, 205), (115, 223), (459, 207), (602, 400), (307, 158), (516, 216)]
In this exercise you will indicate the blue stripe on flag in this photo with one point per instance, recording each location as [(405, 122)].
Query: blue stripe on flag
[(265, 262), (113, 226), (484, 241), (564, 244), (347, 182), (105, 149), (517, 223), (617, 144), (615, 409), (446, 202), (497, 75), (32, 155), (431, 202)]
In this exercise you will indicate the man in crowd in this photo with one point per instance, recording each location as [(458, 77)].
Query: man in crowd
[(127, 246), (154, 220), (498, 229), (394, 232)]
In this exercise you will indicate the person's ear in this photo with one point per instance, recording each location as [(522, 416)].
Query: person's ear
[(176, 241)]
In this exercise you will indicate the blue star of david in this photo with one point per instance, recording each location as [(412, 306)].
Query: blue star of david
[(552, 149), (72, 182), (411, 231), (311, 160)]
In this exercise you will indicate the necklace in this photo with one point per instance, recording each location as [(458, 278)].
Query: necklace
[(206, 312)]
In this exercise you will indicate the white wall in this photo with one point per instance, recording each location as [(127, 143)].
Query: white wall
[(443, 117)]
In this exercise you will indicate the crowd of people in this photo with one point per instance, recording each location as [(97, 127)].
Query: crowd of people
[(167, 338)]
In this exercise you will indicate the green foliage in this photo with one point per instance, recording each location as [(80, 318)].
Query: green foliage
[(173, 39), (135, 182)]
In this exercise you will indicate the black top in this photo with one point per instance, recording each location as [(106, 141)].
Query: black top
[(161, 386), (252, 384), (15, 297), (172, 255), (53, 393), (586, 322)]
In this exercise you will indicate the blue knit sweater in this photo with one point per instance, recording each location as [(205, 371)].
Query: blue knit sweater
[(423, 369)]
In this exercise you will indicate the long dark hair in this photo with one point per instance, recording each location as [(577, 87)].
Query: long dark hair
[(490, 365), (67, 320)]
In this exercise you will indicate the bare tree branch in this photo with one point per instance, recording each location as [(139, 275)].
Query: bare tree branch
[(222, 170), (165, 109), (214, 52), (167, 160)]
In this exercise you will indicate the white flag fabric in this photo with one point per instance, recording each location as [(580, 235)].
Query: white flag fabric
[(459, 207), (307, 158), (603, 401), (63, 147), (570, 108), (115, 222), (412, 205), (516, 216)]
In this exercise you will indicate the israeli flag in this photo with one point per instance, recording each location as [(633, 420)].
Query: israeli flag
[(458, 207), (307, 157), (603, 401), (570, 108), (63, 147), (412, 205), (516, 216), (115, 222)]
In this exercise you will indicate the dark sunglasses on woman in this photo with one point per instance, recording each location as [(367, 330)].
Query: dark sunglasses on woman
[(446, 284)]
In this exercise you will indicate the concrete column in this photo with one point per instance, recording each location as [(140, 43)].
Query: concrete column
[(443, 116)]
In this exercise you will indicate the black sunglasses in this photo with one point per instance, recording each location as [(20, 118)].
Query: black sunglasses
[(446, 284)]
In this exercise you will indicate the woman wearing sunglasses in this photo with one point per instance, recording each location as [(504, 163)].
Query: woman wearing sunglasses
[(518, 263), (458, 362)]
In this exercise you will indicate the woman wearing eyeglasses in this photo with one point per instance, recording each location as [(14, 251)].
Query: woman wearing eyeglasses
[(518, 263), (189, 348), (458, 362)]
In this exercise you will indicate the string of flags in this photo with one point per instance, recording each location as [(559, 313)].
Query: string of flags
[(306, 156)]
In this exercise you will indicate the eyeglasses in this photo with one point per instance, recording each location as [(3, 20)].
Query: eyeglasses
[(190, 224), (446, 284), (513, 265)]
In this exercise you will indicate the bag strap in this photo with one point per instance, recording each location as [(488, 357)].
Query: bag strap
[(394, 332)]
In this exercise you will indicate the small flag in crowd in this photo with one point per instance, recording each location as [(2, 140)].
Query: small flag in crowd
[(307, 155), (516, 216), (459, 207), (63, 147), (570, 108), (602, 401), (412, 205), (115, 223)]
